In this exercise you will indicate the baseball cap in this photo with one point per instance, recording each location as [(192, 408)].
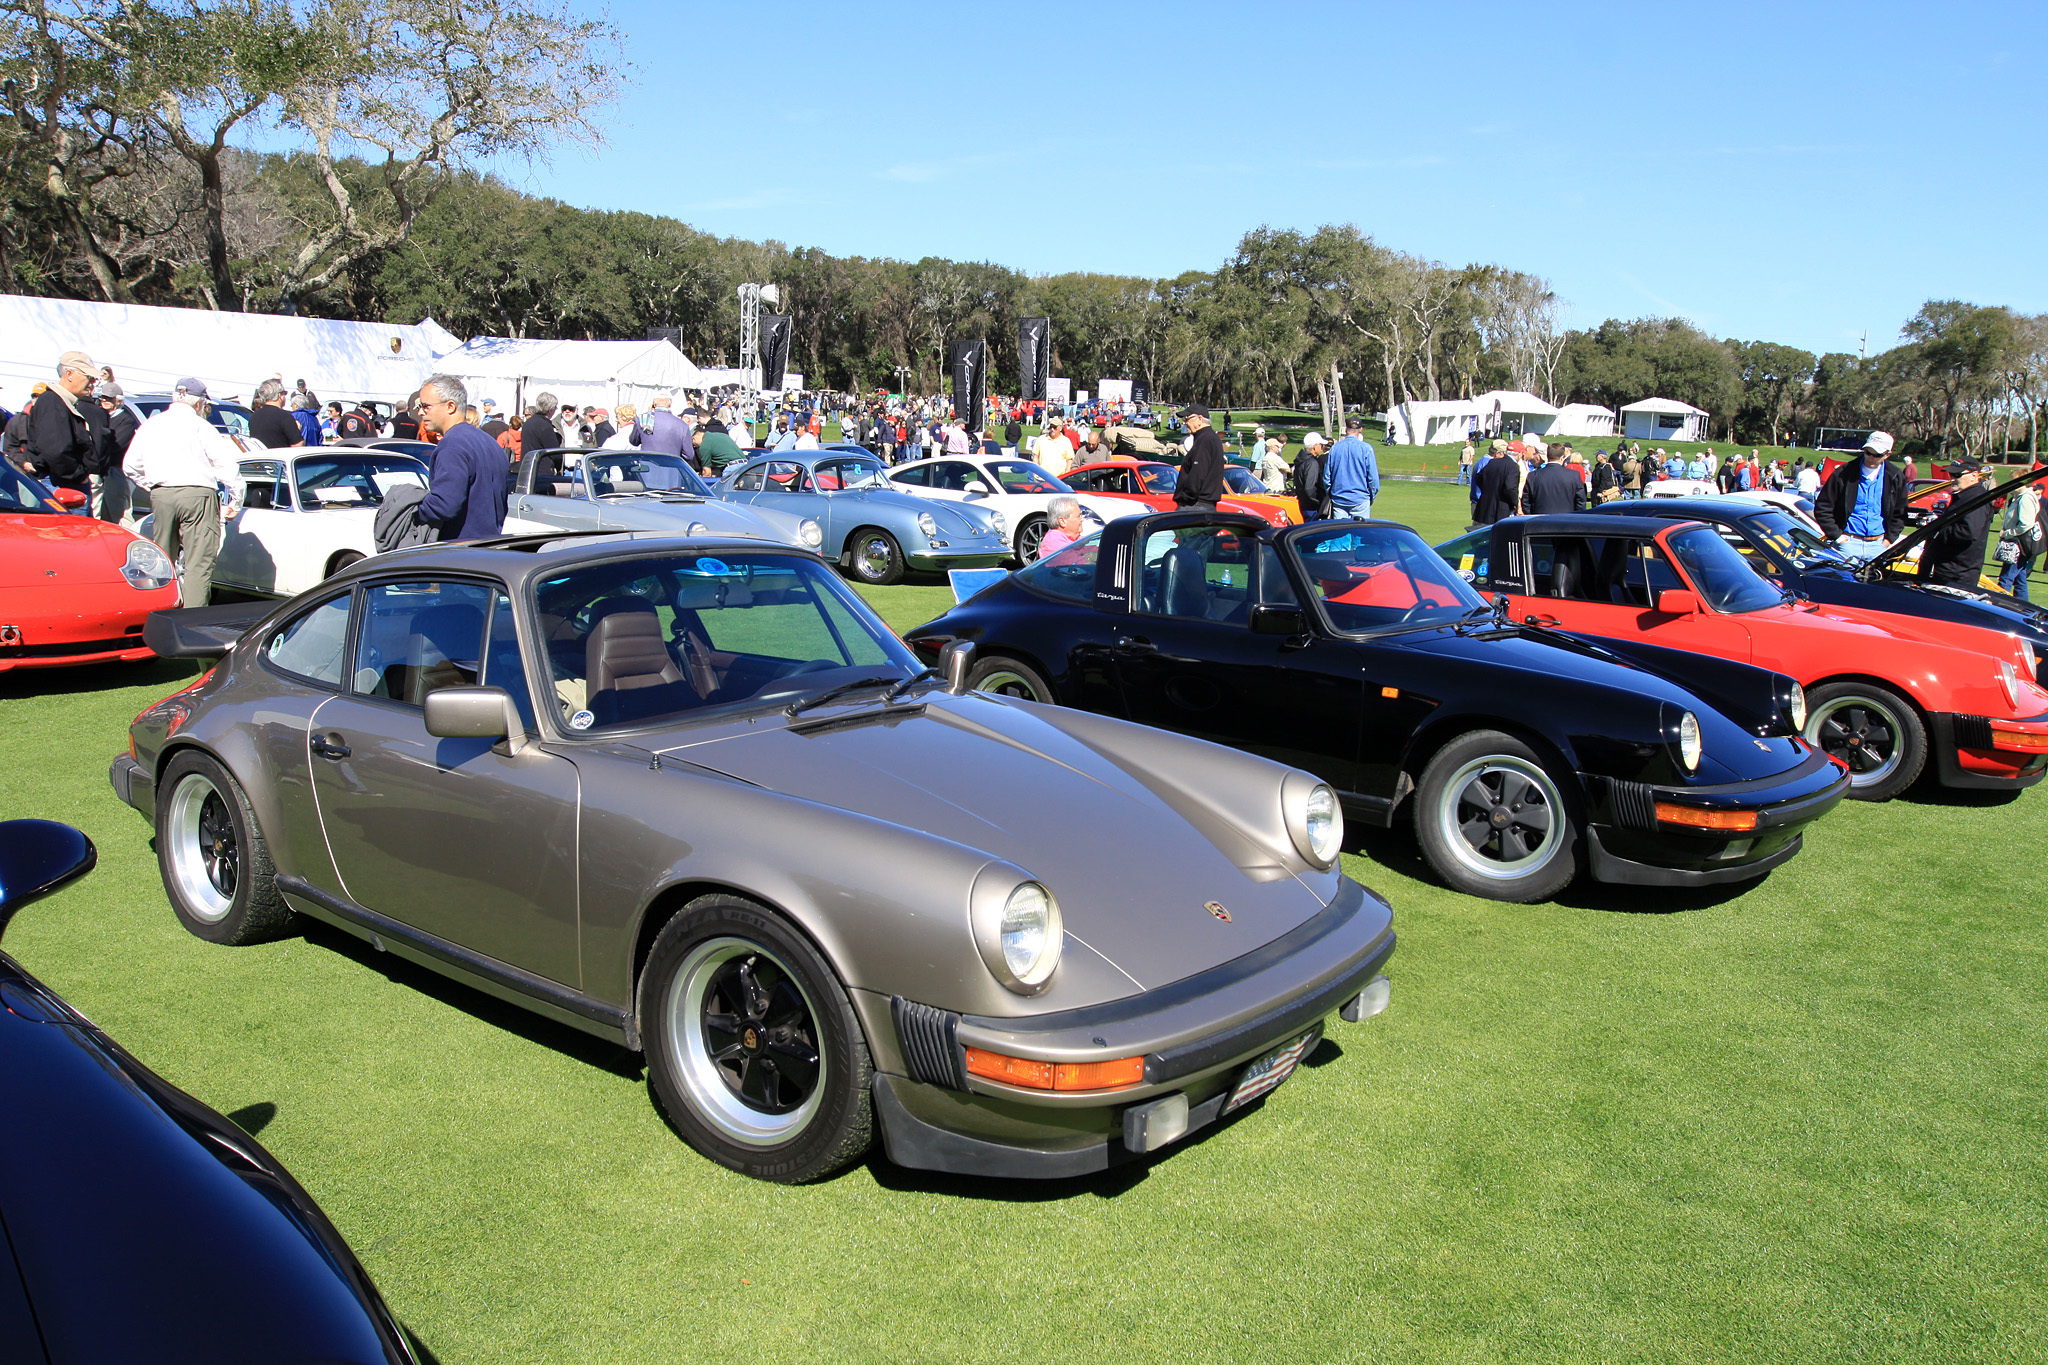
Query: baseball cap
[(80, 361), (1193, 410), (1314, 438), (1354, 424), (1499, 444), (191, 388), (1878, 441), (109, 389), (1957, 468)]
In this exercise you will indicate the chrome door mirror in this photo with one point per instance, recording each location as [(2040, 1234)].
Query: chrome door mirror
[(956, 660)]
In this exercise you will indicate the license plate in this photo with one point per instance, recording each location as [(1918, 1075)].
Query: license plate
[(1268, 1071)]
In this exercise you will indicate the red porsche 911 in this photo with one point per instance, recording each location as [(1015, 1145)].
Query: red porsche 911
[(73, 590)]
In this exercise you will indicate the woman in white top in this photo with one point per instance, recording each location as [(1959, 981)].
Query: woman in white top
[(622, 439)]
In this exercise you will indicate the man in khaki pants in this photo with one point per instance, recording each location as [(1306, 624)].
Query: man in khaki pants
[(184, 461)]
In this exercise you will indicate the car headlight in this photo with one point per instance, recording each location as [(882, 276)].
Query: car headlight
[(1689, 741), (1797, 706), (928, 524), (2008, 677), (1315, 821), (1002, 524), (810, 533), (147, 566), (698, 528), (1017, 928)]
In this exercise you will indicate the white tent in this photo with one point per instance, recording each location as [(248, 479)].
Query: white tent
[(1510, 410), (150, 349), (512, 370), (1432, 422), (1663, 419), (726, 376), (1582, 419)]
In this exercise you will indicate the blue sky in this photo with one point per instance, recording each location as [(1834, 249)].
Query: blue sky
[(1788, 172)]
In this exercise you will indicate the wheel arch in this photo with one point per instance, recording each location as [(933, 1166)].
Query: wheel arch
[(1441, 731), (1022, 656), (1905, 688), (333, 564)]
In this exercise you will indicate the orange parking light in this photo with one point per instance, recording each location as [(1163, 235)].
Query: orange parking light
[(2020, 741), (1696, 818), (1120, 1074)]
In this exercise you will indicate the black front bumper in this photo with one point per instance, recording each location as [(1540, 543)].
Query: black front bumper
[(1943, 737), (134, 785), (1627, 844)]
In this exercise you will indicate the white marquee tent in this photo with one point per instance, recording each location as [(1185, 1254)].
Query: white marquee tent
[(1663, 419), (511, 371), (1582, 419), (1432, 421), (150, 349), (1509, 410)]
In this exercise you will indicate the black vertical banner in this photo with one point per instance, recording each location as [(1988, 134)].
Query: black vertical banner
[(970, 382), (774, 351), (1034, 357)]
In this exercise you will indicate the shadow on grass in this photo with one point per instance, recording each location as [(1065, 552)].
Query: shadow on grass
[(1926, 792), (1101, 1185), (254, 1118), (51, 682), (514, 1019)]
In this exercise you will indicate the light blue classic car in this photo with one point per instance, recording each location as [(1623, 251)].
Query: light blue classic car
[(635, 490), (873, 531)]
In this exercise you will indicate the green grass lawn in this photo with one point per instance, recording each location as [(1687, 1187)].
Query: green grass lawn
[(1802, 1122)]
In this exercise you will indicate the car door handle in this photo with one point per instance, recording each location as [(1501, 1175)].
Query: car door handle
[(330, 746), (1533, 619), (1135, 644)]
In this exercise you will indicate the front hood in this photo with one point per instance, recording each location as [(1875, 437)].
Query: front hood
[(1132, 872), (953, 518), (1539, 653), (719, 518), (41, 550)]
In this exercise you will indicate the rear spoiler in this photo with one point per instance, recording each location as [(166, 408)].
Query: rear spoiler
[(202, 632)]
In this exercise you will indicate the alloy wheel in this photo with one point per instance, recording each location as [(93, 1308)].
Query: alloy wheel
[(1501, 817), (745, 1036)]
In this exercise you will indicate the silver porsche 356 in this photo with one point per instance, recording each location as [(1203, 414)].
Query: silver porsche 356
[(693, 796)]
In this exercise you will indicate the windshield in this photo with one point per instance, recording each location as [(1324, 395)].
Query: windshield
[(1785, 535), (1159, 478), (1068, 572), (1241, 480), (616, 472), (858, 472), (1372, 577), (17, 494), (354, 480), (1722, 576), (1021, 476), (660, 637)]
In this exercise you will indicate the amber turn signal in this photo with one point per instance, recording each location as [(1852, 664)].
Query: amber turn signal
[(1120, 1074), (1695, 818), (2020, 741)]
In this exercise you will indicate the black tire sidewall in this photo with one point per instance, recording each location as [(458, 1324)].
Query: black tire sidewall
[(1003, 663), (1535, 886), (842, 1129), (245, 920), (888, 576), (1912, 734), (346, 559)]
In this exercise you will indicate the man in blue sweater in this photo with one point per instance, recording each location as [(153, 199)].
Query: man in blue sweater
[(466, 497), (1352, 473)]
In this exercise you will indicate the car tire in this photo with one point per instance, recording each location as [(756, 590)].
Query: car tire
[(214, 861), (874, 556), (342, 561), (1494, 822), (1007, 677), (1030, 532), (787, 1098), (1871, 728)]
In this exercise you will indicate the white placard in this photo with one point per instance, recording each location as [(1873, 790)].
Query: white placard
[(1059, 390), (1115, 390)]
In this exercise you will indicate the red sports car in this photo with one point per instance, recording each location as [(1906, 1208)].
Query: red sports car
[(1882, 690), (1152, 483), (72, 590)]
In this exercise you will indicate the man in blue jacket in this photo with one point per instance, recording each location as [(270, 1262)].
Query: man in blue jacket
[(466, 495), (1352, 473)]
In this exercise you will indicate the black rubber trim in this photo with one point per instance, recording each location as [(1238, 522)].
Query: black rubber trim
[(912, 1142), (1274, 1026), (1634, 804), (1941, 737), (1606, 867), (1350, 900), (931, 1043), (515, 978), (133, 784)]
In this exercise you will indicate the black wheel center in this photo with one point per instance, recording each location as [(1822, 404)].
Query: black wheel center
[(1500, 817)]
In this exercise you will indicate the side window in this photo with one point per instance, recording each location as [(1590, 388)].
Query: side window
[(415, 638), (314, 644), (265, 484), (952, 475), (1198, 573), (503, 666), (786, 476), (918, 476), (1618, 570), (749, 480), (1068, 573), (1274, 589)]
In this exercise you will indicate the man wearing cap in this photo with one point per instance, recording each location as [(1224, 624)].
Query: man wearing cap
[(184, 461), (1201, 484), (1311, 489), (1862, 506), (1353, 473), (1954, 555), (66, 436), (112, 500)]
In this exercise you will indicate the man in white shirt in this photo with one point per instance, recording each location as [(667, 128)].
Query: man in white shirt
[(184, 461), (1808, 481)]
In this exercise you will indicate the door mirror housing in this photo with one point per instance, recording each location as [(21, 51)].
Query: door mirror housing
[(977, 486), (475, 713), (1274, 620), (37, 856), (70, 499), (1678, 602), (956, 660)]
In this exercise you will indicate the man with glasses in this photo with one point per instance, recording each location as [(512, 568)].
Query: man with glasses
[(466, 496), (66, 434)]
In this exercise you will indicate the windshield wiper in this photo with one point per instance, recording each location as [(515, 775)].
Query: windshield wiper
[(913, 680), (802, 704)]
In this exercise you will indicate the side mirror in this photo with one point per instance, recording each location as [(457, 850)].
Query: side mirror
[(956, 660), (977, 486), (1678, 602), (37, 856), (1271, 620), (70, 499), (475, 713)]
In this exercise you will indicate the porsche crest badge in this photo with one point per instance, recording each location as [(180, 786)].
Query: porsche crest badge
[(1215, 908)]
